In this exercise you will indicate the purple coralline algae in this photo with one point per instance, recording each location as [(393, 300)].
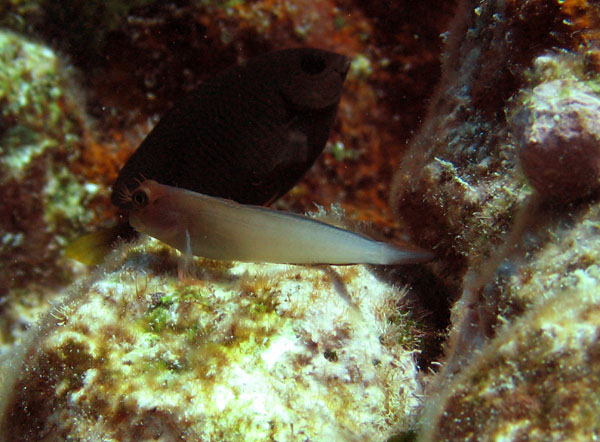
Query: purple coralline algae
[(558, 131)]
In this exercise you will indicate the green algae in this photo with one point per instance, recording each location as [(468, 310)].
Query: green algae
[(361, 67)]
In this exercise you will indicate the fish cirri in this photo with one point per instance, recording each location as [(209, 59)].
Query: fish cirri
[(222, 229)]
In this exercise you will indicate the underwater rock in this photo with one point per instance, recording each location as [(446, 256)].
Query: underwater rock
[(459, 183), (466, 188), (559, 132), (42, 203), (249, 352), (460, 187), (538, 380)]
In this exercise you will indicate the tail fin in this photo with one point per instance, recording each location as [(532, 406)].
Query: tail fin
[(91, 249), (391, 254)]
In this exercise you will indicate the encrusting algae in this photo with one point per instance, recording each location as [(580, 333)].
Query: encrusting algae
[(506, 168), (43, 203), (250, 352), (537, 380), (41, 200)]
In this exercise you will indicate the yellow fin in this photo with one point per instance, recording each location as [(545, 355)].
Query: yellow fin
[(91, 249)]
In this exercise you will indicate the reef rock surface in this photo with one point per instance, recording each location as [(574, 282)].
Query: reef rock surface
[(248, 352), (502, 180), (43, 202)]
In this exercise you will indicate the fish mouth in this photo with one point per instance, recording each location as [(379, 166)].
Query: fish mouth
[(134, 221)]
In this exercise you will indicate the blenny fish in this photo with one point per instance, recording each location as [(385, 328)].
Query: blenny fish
[(247, 134), (218, 228)]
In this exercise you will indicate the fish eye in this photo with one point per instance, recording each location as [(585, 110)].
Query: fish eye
[(312, 64), (139, 198)]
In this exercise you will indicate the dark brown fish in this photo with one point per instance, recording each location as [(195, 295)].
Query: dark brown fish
[(248, 134)]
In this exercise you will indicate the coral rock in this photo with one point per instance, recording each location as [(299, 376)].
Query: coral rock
[(538, 380), (559, 132), (250, 352), (519, 88), (42, 202)]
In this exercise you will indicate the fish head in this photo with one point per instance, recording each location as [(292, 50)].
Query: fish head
[(315, 78), (151, 210)]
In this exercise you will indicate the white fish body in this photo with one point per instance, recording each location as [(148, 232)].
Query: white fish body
[(221, 229)]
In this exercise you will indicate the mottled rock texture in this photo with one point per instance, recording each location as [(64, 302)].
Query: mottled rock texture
[(41, 201), (537, 380), (44, 203), (502, 181), (249, 352)]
